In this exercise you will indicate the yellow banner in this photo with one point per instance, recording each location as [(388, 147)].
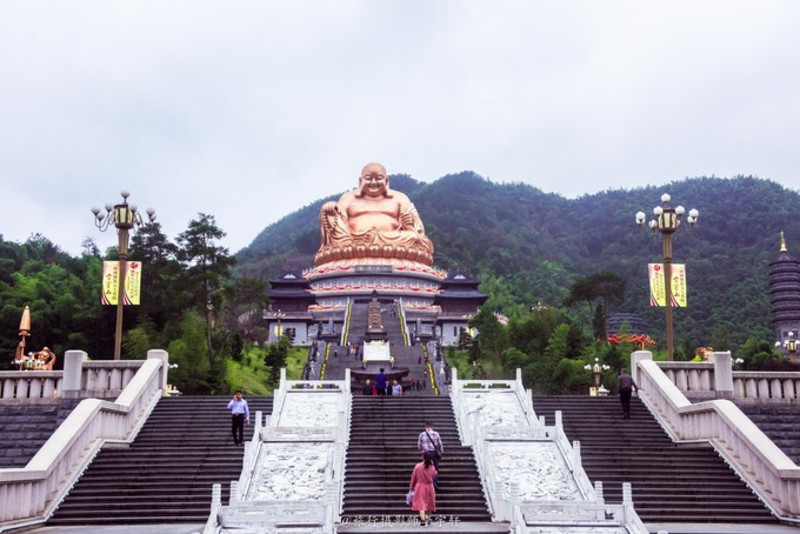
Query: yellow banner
[(658, 291), (133, 283)]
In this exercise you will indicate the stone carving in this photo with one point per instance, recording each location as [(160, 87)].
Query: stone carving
[(495, 409), (373, 221), (319, 409), (537, 469)]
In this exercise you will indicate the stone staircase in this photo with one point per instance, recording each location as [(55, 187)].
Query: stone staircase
[(781, 424), (383, 451), (359, 318), (25, 427), (166, 475), (670, 483), (406, 357)]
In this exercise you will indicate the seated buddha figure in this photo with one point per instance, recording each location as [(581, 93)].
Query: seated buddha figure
[(373, 221)]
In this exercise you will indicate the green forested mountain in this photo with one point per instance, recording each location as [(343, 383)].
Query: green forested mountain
[(528, 247)]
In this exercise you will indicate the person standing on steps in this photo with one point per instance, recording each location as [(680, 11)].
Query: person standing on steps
[(422, 484), (240, 413), (397, 388), (625, 384), (381, 382)]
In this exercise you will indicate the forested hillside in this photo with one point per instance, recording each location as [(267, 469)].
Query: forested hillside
[(540, 257), (529, 247)]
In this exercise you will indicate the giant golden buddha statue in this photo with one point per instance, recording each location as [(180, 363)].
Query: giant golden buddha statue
[(372, 221)]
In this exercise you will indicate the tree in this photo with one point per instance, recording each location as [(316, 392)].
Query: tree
[(192, 373), (208, 265), (244, 301), (276, 358), (609, 287), (599, 322), (756, 353), (165, 293)]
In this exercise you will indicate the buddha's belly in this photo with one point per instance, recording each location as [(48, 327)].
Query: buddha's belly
[(380, 221)]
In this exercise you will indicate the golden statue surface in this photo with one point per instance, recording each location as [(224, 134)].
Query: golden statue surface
[(373, 221)]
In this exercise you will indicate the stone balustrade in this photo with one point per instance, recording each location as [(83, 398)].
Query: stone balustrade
[(717, 379), (695, 379), (760, 386), (80, 379), (26, 385), (760, 463), (31, 494)]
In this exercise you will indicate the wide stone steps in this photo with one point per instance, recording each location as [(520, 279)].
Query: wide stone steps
[(670, 483), (383, 452), (24, 428), (166, 475), (781, 423)]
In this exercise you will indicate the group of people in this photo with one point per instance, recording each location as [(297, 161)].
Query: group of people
[(43, 360), (382, 386)]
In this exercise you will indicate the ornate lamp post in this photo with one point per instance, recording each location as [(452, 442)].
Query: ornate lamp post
[(666, 221), (790, 345), (597, 371), (126, 218)]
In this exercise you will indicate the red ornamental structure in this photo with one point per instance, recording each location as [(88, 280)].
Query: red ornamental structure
[(643, 340)]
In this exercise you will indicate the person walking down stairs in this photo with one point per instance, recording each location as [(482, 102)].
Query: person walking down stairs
[(240, 413)]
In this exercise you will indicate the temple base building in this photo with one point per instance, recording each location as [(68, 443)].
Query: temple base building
[(434, 304)]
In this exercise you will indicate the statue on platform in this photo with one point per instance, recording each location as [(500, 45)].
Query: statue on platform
[(373, 221)]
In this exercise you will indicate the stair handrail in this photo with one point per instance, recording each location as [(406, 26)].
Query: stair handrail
[(401, 314), (346, 324), (32, 493), (250, 454), (769, 472)]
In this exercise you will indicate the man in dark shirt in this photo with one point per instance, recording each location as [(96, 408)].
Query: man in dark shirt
[(625, 384)]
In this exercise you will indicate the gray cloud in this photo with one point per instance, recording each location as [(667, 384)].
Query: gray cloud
[(250, 110)]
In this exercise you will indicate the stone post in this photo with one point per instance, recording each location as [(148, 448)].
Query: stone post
[(71, 383), (723, 374), (636, 357), (158, 354)]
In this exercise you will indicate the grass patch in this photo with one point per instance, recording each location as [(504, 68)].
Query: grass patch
[(251, 375)]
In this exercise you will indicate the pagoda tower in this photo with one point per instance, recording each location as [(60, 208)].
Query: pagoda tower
[(784, 289)]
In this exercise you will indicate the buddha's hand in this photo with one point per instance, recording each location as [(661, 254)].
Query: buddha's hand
[(330, 209), (407, 221)]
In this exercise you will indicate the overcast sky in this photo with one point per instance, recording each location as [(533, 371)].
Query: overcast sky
[(251, 110)]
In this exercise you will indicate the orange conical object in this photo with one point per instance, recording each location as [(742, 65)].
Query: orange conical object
[(25, 322)]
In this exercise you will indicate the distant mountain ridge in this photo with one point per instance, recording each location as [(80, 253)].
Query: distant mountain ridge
[(533, 245)]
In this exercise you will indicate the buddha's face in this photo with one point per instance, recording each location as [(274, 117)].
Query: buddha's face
[(373, 181)]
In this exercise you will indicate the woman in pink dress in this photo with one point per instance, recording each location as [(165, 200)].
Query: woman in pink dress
[(424, 499)]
